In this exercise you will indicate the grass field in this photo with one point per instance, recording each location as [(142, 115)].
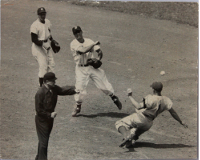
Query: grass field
[(180, 12)]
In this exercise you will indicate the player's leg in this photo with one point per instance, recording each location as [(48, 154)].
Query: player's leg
[(101, 82), (82, 79), (50, 60), (128, 127), (41, 58)]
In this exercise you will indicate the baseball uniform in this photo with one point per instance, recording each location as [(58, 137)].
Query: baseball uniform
[(84, 72), (142, 120), (44, 57)]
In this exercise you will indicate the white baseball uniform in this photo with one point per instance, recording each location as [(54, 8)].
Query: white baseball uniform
[(84, 73), (142, 120), (44, 58)]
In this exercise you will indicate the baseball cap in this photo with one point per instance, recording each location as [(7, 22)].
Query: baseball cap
[(49, 76), (41, 10), (157, 86), (76, 29)]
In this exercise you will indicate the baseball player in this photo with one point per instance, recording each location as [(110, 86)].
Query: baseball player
[(82, 50), (132, 126), (41, 37), (45, 103)]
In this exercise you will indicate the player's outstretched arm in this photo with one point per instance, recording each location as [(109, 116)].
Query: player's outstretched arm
[(83, 50), (134, 102), (176, 117)]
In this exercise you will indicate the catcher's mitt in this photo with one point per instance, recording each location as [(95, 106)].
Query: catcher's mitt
[(55, 46), (94, 62)]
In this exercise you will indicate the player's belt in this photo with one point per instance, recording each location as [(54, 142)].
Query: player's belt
[(83, 65)]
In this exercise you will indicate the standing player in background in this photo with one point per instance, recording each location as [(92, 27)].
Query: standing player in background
[(131, 127), (82, 50), (41, 49)]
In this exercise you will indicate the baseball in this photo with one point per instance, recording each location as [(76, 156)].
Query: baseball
[(162, 73), (129, 90)]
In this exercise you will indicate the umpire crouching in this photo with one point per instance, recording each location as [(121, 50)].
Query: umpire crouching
[(45, 103)]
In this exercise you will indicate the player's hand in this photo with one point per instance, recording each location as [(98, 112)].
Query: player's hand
[(46, 45), (129, 92), (53, 114)]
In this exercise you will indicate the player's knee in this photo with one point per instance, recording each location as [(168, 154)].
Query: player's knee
[(118, 124)]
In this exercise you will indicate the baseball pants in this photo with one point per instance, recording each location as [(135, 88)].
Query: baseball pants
[(137, 123), (45, 60), (43, 127), (98, 76)]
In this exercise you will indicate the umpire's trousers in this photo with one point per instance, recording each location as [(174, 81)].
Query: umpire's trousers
[(43, 127)]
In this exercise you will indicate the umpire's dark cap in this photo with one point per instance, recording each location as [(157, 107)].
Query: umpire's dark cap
[(76, 29), (158, 86), (41, 10), (50, 76)]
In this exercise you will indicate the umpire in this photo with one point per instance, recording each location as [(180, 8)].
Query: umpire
[(45, 103)]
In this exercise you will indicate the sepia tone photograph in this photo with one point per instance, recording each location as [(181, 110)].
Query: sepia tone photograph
[(99, 80)]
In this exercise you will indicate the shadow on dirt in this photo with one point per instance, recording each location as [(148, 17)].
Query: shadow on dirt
[(109, 114), (157, 146)]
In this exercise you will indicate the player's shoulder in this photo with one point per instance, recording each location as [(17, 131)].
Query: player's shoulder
[(152, 99), (47, 21), (35, 22), (88, 40), (73, 42), (167, 99)]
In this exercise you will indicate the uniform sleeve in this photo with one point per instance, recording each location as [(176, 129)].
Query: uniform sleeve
[(97, 47), (65, 90), (34, 29), (74, 48), (169, 104), (39, 105)]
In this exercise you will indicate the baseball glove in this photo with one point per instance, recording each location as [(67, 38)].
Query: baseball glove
[(94, 62), (55, 46)]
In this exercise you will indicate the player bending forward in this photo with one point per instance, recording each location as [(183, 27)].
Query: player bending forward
[(131, 127), (82, 50)]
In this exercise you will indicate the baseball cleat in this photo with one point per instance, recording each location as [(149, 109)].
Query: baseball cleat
[(128, 143), (117, 102), (77, 109)]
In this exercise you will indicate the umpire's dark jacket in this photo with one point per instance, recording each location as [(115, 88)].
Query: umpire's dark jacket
[(45, 103), (45, 99)]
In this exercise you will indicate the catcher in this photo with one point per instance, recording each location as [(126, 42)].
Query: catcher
[(132, 126), (88, 67)]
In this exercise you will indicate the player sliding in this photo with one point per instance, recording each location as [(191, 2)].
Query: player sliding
[(82, 50), (132, 126)]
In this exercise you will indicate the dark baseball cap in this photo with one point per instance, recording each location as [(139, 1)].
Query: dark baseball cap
[(76, 29), (41, 10), (158, 86), (49, 76)]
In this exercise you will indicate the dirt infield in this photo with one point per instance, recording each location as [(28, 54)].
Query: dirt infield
[(135, 50)]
